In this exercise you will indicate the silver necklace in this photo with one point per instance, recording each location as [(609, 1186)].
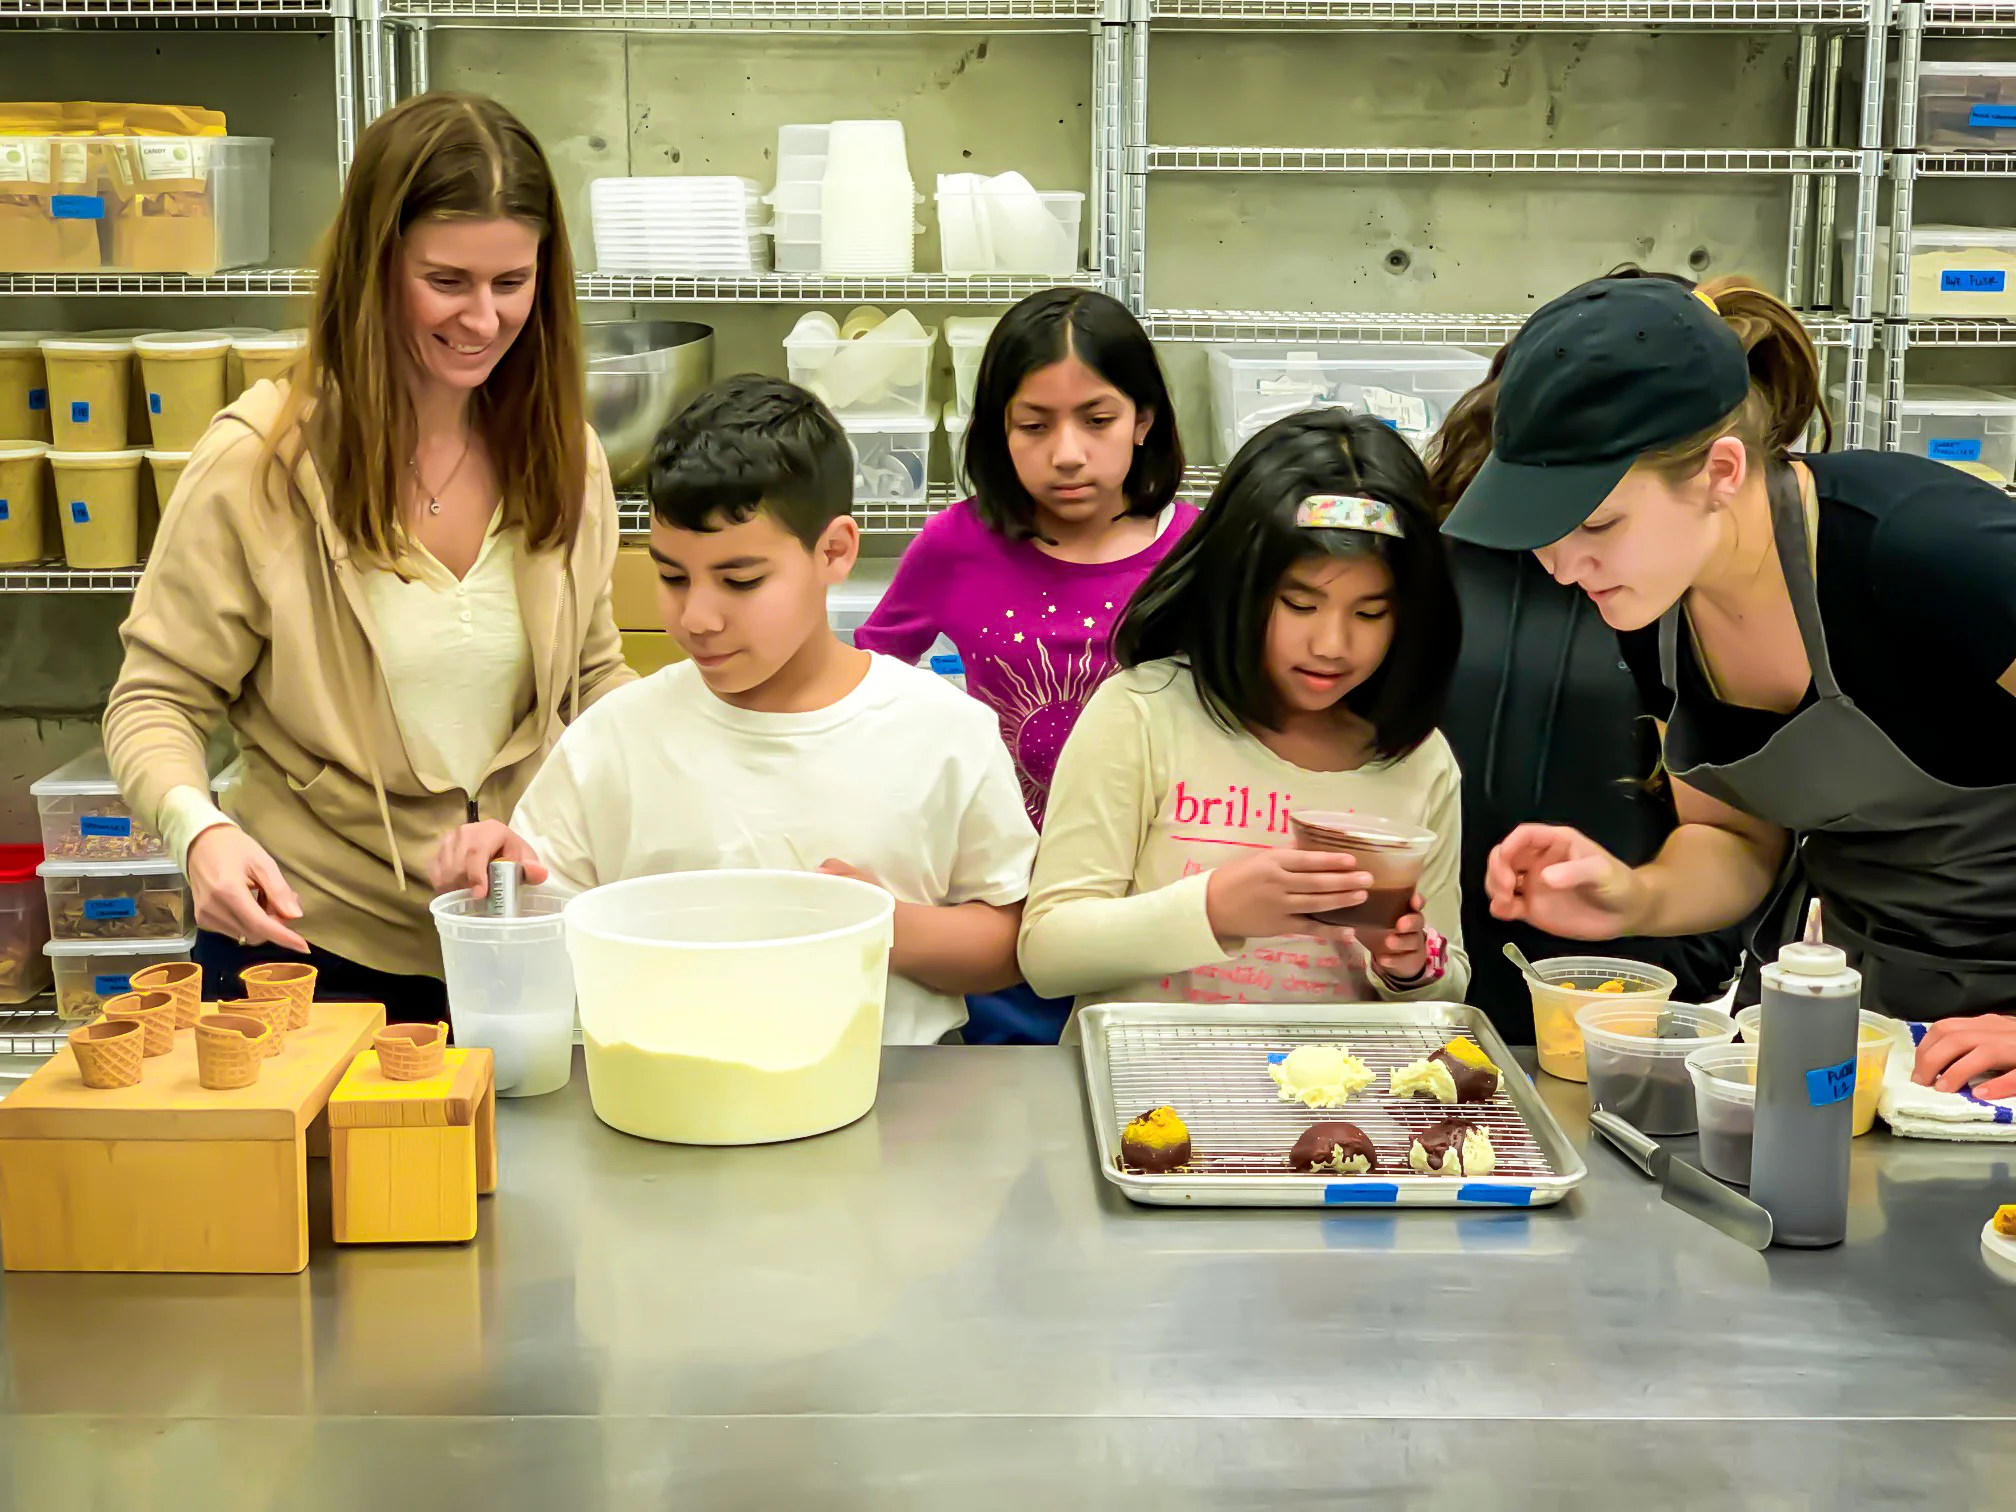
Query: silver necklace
[(433, 496)]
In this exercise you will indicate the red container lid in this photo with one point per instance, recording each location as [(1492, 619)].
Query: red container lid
[(18, 863)]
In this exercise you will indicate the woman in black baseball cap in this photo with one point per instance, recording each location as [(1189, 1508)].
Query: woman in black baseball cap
[(1830, 641)]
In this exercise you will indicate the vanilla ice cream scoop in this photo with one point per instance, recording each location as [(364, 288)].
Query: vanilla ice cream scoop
[(1320, 1076)]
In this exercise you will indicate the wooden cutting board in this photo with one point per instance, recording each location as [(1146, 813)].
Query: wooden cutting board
[(168, 1175)]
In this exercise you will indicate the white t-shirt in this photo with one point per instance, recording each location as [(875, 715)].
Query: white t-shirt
[(906, 776)]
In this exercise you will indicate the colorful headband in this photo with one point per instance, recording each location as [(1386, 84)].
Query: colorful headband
[(1348, 512)]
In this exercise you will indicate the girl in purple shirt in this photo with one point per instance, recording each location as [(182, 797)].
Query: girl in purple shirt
[(1075, 461)]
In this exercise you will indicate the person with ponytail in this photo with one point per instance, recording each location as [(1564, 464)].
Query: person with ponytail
[(1829, 641)]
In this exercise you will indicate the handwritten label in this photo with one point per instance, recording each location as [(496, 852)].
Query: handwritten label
[(111, 986), (6, 513), (105, 826), (77, 206), (1954, 449), (1831, 1084), (38, 400), (1360, 1193), (1972, 281), (111, 908), (80, 512), (153, 403), (1994, 117), (80, 411), (947, 666)]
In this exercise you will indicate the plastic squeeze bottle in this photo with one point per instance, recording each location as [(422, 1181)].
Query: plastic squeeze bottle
[(1806, 1090)]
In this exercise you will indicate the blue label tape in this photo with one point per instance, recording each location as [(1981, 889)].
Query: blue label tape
[(5, 512), (1344, 1193), (1497, 1194), (1954, 449), (110, 985), (111, 908), (77, 206), (153, 403), (1973, 281), (1831, 1084), (38, 399), (80, 512), (105, 826), (1275, 1057), (947, 666), (80, 411), (1995, 117)]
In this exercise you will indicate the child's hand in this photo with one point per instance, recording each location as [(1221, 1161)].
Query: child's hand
[(465, 856), (1273, 892), (832, 868), (1402, 955)]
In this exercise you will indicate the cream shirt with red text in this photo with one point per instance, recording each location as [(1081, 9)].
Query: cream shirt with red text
[(1150, 796)]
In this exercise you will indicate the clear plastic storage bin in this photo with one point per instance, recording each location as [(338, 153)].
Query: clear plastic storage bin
[(1973, 429), (88, 972), (24, 925), (955, 446), (1410, 388), (129, 900), (891, 457), (982, 230), (85, 819), (1957, 272), (876, 375), (1967, 105), (966, 338), (163, 204)]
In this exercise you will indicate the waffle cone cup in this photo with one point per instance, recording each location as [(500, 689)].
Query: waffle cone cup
[(272, 1012), (283, 979), (229, 1050), (110, 1053), (410, 1052), (154, 1012), (181, 980)]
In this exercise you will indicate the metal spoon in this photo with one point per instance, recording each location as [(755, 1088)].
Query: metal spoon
[(1518, 958)]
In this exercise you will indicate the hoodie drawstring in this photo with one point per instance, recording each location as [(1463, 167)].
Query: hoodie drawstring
[(1504, 680), (1575, 602), (355, 712)]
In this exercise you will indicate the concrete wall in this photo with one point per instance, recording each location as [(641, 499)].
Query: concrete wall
[(604, 104)]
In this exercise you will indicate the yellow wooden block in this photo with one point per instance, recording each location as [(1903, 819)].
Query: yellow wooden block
[(408, 1159)]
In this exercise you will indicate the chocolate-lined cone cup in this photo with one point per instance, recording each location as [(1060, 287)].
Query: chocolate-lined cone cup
[(182, 981), (411, 1052), (283, 979), (229, 1049), (110, 1053), (154, 1012), (272, 1012), (1393, 853)]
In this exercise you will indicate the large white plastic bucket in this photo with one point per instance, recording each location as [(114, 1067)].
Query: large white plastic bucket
[(732, 1007), (510, 987)]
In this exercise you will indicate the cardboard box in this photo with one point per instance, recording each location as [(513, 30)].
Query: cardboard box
[(633, 593), (648, 650)]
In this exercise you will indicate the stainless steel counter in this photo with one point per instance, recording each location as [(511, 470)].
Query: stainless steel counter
[(946, 1304)]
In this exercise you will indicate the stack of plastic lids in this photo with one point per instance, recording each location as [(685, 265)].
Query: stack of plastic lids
[(698, 224), (867, 201)]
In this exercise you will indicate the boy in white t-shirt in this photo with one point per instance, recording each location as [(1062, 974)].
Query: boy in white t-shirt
[(777, 745)]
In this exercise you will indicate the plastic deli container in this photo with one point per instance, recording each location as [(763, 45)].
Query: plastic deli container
[(1967, 105), (85, 819), (891, 458), (885, 371), (955, 446), (1573, 983), (1725, 1106), (98, 506), (1874, 1043), (24, 502), (991, 229), (270, 357), (511, 987), (125, 900), (24, 925), (731, 1007), (167, 469), (1410, 388), (24, 387), (966, 338), (1393, 854), (1956, 272), (185, 373), (90, 390), (1638, 1060), (87, 972)]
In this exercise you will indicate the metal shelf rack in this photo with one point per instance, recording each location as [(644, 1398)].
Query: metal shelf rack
[(1916, 20), (32, 1028), (875, 517), (54, 577), (278, 282), (1816, 21)]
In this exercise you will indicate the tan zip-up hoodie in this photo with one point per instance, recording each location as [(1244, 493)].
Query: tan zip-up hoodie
[(251, 609)]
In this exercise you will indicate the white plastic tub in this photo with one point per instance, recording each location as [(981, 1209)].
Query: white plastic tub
[(732, 1007), (1410, 388), (966, 338), (511, 987), (956, 426), (886, 372)]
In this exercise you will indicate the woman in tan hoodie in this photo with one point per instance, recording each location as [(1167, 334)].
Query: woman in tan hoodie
[(390, 573)]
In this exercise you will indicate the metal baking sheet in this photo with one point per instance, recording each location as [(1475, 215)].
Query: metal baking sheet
[(1210, 1065)]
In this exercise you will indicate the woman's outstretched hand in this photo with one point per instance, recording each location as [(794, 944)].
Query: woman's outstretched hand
[(1559, 880), (239, 891)]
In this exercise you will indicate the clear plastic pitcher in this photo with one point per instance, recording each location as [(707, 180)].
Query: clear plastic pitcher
[(510, 987), (732, 1007)]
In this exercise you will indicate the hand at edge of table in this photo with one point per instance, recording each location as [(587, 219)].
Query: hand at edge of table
[(1956, 1050)]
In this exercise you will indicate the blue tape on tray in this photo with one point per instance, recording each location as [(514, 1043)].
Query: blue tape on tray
[(1275, 1057), (77, 206), (111, 908), (38, 400), (80, 512), (105, 826), (1828, 1085), (1345, 1193), (1993, 116), (111, 984), (1954, 448), (1973, 281), (1496, 1193)]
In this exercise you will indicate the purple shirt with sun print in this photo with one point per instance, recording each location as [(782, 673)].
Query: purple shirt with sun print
[(1033, 632)]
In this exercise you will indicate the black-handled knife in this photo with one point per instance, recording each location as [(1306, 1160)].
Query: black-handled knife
[(1687, 1187)]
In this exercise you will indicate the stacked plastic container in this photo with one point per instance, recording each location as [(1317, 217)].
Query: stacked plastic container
[(1410, 388), (874, 372), (24, 926), (1968, 428), (116, 903), (867, 201), (966, 338), (1004, 225), (691, 224), (795, 202)]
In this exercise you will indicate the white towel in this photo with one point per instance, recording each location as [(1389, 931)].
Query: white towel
[(1925, 1113)]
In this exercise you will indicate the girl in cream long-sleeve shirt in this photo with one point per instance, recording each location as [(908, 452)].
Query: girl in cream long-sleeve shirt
[(1292, 653)]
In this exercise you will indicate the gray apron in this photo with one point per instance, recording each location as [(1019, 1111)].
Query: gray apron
[(1917, 877)]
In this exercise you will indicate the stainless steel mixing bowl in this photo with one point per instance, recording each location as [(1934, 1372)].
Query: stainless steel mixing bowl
[(640, 374)]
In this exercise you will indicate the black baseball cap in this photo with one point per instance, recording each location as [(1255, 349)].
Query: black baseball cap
[(1594, 380)]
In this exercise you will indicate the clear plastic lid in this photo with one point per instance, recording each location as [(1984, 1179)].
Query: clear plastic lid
[(178, 947), (1957, 238), (969, 330), (85, 776), (103, 345), (272, 341), (1979, 68), (919, 426), (166, 456), (156, 866), (16, 451), (1934, 399), (98, 461), (23, 341), (182, 343)]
